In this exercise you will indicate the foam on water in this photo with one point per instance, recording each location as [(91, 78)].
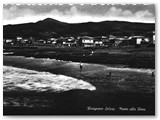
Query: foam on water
[(7, 53), (48, 61), (30, 58), (140, 70), (15, 78)]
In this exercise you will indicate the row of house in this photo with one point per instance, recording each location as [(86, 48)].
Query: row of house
[(83, 41), (116, 41)]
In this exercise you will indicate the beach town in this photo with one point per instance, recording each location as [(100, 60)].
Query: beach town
[(90, 68)]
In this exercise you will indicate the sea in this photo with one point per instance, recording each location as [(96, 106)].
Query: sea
[(43, 86)]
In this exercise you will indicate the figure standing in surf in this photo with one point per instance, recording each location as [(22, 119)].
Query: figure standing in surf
[(81, 66)]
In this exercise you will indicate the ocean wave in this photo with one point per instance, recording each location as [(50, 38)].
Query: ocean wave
[(30, 58), (140, 70), (24, 79), (8, 53), (48, 61)]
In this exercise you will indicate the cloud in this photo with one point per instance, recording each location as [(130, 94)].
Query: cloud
[(15, 15), (14, 12), (141, 15), (72, 11)]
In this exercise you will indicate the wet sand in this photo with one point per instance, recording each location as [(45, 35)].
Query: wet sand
[(124, 88)]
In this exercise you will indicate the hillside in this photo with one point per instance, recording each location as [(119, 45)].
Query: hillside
[(54, 28)]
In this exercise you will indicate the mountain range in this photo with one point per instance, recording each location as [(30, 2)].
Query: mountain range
[(53, 28)]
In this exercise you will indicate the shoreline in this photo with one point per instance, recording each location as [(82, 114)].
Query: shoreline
[(84, 62), (92, 73), (132, 58), (108, 66), (122, 89)]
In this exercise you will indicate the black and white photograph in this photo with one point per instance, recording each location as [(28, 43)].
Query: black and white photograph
[(79, 59)]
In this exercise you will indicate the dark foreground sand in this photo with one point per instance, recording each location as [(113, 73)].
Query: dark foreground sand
[(126, 92)]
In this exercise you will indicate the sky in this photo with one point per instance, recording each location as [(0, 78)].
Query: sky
[(77, 13)]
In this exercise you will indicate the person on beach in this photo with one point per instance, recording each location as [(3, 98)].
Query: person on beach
[(81, 66), (109, 76), (153, 74)]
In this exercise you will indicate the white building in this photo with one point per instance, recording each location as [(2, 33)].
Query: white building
[(98, 43), (19, 38), (53, 40), (9, 40), (138, 41), (154, 38), (88, 41)]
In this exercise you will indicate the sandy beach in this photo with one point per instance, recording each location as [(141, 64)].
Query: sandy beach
[(125, 87)]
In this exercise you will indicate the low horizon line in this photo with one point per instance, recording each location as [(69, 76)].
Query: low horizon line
[(81, 22)]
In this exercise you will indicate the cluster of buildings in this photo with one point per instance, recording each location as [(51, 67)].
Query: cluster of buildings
[(83, 41)]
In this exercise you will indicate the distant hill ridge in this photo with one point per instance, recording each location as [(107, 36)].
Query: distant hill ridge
[(53, 28)]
